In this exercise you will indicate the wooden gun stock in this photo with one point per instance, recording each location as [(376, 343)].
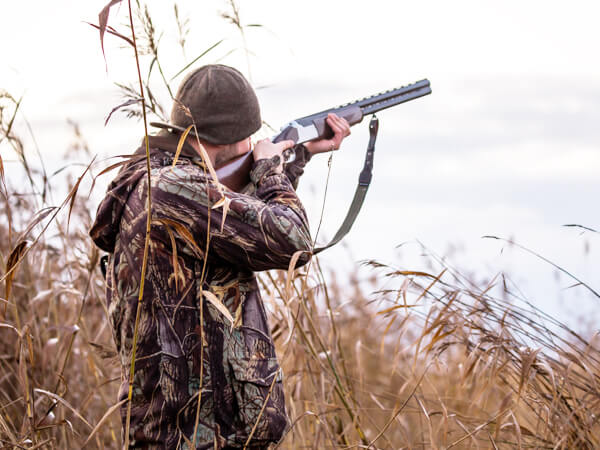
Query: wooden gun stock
[(236, 174)]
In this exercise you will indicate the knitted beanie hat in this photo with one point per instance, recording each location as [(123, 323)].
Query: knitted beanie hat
[(220, 102)]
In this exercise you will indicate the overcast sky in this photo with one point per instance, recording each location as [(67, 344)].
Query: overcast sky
[(507, 144)]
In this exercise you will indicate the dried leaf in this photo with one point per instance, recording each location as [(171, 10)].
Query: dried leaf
[(387, 328), (183, 232), (30, 348), (392, 308), (224, 202), (176, 271), (291, 268), (209, 166), (114, 32), (474, 359), (438, 337), (219, 203), (182, 139), (23, 376), (103, 21), (13, 260), (410, 273), (523, 429), (527, 360), (212, 298), (238, 316), (426, 290)]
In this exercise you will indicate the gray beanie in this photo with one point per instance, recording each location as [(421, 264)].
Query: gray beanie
[(222, 104)]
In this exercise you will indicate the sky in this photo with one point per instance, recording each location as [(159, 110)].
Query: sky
[(506, 145)]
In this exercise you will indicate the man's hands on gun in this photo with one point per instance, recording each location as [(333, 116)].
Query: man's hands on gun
[(265, 149), (341, 130)]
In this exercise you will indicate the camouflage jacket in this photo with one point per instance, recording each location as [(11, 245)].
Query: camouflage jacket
[(187, 350)]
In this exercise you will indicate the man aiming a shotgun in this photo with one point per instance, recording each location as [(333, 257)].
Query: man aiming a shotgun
[(205, 372)]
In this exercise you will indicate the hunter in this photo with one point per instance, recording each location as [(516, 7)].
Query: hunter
[(187, 351)]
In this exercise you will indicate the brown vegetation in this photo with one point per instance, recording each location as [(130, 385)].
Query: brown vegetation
[(427, 360)]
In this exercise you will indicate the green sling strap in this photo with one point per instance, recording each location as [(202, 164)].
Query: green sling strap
[(364, 180)]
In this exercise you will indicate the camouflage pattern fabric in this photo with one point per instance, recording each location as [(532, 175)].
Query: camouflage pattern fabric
[(188, 352)]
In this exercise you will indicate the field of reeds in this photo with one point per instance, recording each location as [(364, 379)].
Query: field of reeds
[(405, 359)]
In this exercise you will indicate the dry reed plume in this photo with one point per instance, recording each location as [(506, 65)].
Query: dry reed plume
[(426, 360)]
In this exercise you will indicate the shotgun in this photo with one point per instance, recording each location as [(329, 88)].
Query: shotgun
[(235, 174)]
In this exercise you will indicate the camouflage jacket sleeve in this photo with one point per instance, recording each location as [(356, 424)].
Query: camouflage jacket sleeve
[(257, 232), (295, 169)]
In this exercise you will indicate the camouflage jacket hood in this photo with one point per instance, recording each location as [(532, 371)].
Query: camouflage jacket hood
[(200, 255)]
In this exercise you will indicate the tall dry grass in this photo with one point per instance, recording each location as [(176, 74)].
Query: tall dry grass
[(434, 362), (413, 360), (406, 360)]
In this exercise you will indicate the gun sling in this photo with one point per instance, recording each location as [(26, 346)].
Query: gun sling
[(364, 180)]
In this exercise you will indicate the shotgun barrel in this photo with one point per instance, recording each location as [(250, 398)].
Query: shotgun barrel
[(314, 126)]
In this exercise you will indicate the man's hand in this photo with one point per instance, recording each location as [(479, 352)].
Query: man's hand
[(341, 129), (266, 149)]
